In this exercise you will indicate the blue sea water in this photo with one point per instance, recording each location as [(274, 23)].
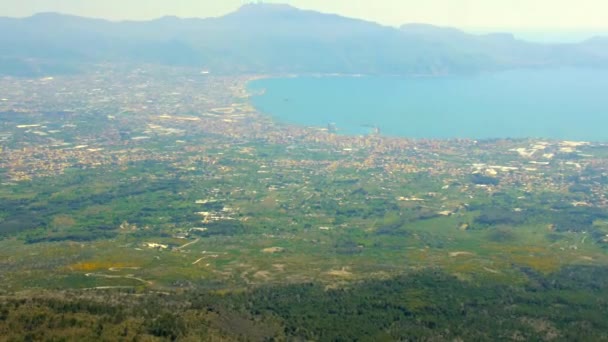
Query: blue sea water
[(564, 104)]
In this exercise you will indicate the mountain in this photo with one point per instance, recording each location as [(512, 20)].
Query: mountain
[(272, 38)]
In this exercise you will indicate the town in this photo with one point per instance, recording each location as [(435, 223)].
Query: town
[(154, 168)]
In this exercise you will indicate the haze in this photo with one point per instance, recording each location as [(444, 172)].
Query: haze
[(514, 15)]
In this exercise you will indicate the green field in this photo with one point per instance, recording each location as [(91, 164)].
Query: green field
[(190, 224)]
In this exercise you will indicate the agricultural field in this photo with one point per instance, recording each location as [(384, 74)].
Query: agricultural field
[(228, 210)]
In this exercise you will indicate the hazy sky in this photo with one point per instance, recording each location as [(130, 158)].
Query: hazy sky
[(504, 14)]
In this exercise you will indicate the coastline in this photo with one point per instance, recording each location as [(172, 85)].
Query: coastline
[(547, 125)]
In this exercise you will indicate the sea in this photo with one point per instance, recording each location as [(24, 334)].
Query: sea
[(560, 104)]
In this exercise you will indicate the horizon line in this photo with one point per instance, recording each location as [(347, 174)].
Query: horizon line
[(469, 29)]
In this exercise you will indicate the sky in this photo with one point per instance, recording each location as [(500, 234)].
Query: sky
[(514, 15)]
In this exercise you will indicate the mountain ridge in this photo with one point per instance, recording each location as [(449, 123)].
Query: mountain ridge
[(275, 38)]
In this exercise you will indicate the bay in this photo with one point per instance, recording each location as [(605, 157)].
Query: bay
[(567, 104)]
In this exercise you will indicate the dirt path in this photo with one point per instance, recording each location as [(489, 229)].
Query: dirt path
[(197, 261), (116, 269), (128, 276), (188, 244)]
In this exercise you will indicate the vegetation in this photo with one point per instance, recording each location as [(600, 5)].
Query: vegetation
[(176, 232), (429, 305)]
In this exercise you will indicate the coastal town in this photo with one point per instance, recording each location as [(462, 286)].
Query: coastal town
[(160, 167), (107, 118), (274, 170)]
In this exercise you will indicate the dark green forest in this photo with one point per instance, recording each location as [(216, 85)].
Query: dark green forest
[(569, 305)]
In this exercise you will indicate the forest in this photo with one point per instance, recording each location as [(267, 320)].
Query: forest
[(429, 305)]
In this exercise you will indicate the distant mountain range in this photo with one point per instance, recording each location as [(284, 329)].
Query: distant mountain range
[(270, 38)]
